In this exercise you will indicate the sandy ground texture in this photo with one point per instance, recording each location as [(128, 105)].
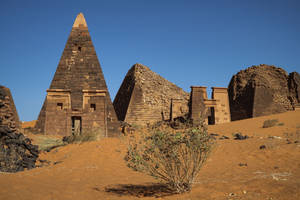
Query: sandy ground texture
[(236, 169)]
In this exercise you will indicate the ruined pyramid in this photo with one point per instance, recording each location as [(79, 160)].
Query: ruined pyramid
[(78, 101), (146, 97), (8, 112)]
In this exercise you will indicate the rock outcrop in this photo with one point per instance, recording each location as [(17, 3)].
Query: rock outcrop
[(146, 97), (262, 90), (16, 151)]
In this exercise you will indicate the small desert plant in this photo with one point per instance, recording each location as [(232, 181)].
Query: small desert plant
[(270, 123), (84, 137), (174, 157), (280, 124), (47, 143)]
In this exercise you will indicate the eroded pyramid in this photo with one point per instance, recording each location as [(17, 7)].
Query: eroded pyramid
[(262, 90), (146, 97)]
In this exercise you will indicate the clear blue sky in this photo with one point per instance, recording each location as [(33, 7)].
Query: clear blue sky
[(189, 42)]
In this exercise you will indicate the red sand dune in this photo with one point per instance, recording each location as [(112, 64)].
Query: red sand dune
[(236, 169)]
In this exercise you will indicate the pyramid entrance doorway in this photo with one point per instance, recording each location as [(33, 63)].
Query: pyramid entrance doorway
[(76, 125)]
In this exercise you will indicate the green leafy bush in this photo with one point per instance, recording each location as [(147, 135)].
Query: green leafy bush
[(270, 123), (174, 157)]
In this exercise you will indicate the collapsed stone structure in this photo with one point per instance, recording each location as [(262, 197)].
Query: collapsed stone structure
[(8, 114), (78, 101), (16, 151), (145, 97), (263, 90)]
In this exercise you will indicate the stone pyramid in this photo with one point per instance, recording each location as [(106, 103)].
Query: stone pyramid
[(146, 97), (8, 112), (78, 100)]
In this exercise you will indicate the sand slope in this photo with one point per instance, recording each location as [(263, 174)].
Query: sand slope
[(236, 169)]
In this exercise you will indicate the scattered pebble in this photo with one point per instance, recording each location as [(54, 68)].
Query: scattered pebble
[(262, 147), (239, 136), (224, 137), (275, 137), (243, 164)]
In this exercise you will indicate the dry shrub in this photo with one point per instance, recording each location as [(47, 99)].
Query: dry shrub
[(173, 156), (84, 137), (47, 143), (270, 123)]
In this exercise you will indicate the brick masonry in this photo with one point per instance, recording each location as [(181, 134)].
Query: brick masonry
[(213, 111), (263, 90), (8, 112), (78, 101), (146, 97)]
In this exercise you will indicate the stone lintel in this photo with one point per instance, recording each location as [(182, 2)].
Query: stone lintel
[(220, 89), (94, 91), (87, 93), (58, 90), (202, 87), (210, 102)]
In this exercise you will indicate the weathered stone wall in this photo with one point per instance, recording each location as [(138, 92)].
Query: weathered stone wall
[(258, 91), (8, 113), (294, 87), (78, 71), (145, 97), (222, 110), (198, 110)]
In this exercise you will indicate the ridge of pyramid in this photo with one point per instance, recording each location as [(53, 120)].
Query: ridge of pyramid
[(145, 77), (80, 21)]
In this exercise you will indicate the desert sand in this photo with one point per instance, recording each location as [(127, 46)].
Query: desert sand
[(236, 169)]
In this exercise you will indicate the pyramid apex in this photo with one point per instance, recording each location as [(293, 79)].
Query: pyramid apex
[(79, 21)]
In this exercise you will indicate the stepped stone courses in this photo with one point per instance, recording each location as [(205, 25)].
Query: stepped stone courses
[(16, 151), (8, 113), (146, 97), (78, 101), (262, 90)]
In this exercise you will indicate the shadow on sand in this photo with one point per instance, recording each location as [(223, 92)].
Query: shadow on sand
[(146, 190)]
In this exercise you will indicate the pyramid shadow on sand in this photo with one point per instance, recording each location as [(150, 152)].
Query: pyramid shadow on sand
[(145, 190)]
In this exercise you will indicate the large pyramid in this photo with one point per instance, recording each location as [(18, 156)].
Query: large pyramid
[(78, 101), (146, 97)]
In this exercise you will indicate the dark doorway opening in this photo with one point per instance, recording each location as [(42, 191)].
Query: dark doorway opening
[(211, 115), (76, 125)]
